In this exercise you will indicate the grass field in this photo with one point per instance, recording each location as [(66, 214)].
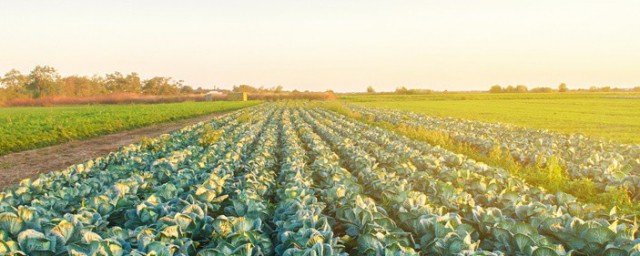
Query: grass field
[(613, 116), (32, 127)]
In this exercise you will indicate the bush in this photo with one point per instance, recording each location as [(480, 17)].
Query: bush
[(541, 90)]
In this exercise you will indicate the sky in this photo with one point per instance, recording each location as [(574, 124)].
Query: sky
[(339, 45)]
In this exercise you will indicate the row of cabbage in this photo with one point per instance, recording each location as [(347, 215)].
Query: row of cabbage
[(152, 198), (240, 228), (507, 215), (414, 216), (301, 226), (607, 163), (364, 227)]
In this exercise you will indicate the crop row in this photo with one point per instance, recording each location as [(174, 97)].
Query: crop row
[(160, 202), (365, 227), (465, 187), (609, 164)]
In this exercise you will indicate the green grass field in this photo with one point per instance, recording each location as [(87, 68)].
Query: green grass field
[(613, 116), (33, 127)]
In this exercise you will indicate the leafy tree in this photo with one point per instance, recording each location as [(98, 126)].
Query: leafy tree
[(117, 83), (510, 89), (370, 89), (495, 89), (186, 89), (402, 90), (43, 81), (521, 89), (133, 83), (3, 95), (79, 86), (563, 88), (244, 88), (98, 85), (14, 84), (160, 86)]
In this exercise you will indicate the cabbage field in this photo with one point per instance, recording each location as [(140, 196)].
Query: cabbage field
[(609, 164), (300, 179)]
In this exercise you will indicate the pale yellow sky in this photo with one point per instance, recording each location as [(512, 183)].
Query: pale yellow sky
[(339, 45)]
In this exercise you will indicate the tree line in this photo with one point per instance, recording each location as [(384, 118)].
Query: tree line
[(516, 89), (561, 88), (44, 81), (404, 90)]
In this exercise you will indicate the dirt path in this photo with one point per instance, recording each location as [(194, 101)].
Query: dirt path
[(17, 166)]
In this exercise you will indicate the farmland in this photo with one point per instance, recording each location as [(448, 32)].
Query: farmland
[(33, 127), (613, 116), (326, 179)]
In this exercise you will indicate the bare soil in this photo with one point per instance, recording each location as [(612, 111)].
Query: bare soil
[(31, 163)]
